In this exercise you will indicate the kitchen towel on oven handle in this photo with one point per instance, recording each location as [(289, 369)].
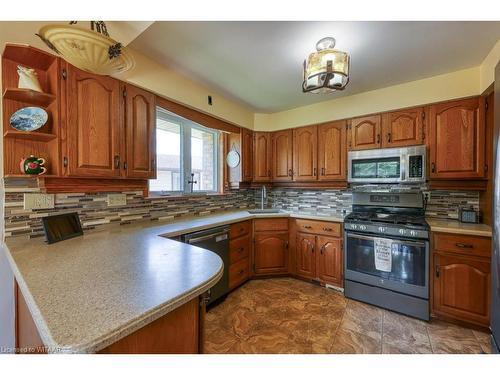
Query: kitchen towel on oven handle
[(383, 254)]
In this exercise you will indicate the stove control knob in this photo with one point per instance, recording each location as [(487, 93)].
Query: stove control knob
[(381, 229), (354, 226), (362, 227), (402, 232), (413, 233)]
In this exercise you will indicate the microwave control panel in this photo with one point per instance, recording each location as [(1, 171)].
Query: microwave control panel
[(415, 167)]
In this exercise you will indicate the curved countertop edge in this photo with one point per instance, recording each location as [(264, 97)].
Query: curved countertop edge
[(115, 335)]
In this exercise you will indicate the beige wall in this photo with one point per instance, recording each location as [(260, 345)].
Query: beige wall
[(487, 68), (443, 87), (169, 84)]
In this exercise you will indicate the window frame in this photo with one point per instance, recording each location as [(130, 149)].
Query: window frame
[(186, 127)]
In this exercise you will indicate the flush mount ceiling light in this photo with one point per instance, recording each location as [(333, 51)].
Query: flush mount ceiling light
[(91, 49), (327, 69)]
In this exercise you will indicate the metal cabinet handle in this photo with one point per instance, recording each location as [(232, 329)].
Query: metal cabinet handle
[(321, 249), (322, 171), (437, 271), (307, 227), (389, 137), (65, 161), (433, 167), (378, 138), (290, 172), (327, 229), (314, 172), (312, 248), (464, 245), (117, 161)]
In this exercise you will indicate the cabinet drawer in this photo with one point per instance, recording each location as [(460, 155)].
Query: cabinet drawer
[(240, 229), (262, 225), (238, 273), (239, 248), (460, 244), (318, 227)]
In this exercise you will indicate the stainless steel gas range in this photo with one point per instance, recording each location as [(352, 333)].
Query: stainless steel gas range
[(387, 252)]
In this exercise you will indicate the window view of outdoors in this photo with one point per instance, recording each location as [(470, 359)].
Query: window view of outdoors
[(202, 159), (168, 157), (184, 147)]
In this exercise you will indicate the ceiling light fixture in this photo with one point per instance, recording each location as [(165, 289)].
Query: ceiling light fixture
[(90, 50), (327, 69)]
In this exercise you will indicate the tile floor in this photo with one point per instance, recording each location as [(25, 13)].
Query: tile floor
[(286, 315)]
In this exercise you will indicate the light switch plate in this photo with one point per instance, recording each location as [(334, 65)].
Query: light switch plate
[(36, 201), (115, 200)]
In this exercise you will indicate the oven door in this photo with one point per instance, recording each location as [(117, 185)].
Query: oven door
[(405, 270)]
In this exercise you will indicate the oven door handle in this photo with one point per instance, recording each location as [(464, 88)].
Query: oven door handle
[(372, 238)]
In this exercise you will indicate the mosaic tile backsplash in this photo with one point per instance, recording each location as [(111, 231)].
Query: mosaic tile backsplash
[(94, 212)]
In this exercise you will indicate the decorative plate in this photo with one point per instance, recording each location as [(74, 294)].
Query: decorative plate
[(28, 119), (233, 159)]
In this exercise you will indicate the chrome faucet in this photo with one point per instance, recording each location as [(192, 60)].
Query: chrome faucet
[(263, 195)]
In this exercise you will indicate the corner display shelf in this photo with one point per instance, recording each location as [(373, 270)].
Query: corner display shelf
[(29, 96), (43, 142)]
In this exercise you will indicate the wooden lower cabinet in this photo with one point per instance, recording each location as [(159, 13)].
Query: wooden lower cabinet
[(329, 260), (271, 253), (240, 248), (461, 281), (305, 259)]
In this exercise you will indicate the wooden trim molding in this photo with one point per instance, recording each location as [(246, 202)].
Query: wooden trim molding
[(196, 116), (91, 185)]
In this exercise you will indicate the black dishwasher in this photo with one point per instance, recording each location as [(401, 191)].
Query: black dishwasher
[(217, 241)]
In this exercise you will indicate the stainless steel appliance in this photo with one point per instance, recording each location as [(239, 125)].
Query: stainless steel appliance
[(217, 241), (495, 261), (387, 165), (387, 252)]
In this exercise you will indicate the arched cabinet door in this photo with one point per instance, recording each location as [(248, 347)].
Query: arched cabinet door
[(365, 133), (403, 128), (330, 260), (282, 155), (462, 288), (305, 153), (94, 129), (457, 139), (271, 253), (332, 153), (305, 255), (262, 156), (140, 118)]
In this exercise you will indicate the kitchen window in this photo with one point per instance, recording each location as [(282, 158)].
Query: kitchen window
[(186, 156)]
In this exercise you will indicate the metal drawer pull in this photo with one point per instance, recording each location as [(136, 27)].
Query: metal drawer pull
[(464, 245), (327, 229), (240, 272), (307, 227)]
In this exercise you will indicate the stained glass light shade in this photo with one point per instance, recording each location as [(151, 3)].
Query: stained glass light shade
[(327, 69)]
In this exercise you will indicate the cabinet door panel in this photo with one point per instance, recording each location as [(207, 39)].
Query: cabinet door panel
[(365, 133), (140, 110), (271, 253), (332, 151), (305, 142), (403, 128), (282, 155), (330, 260), (262, 156), (94, 124), (457, 139), (462, 288), (305, 257), (246, 155)]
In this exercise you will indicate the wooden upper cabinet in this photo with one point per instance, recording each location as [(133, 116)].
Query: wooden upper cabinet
[(365, 132), (462, 288), (305, 259), (140, 117), (330, 260), (282, 167), (332, 151), (457, 139), (403, 128), (246, 155), (305, 153), (93, 125), (262, 155), (271, 253)]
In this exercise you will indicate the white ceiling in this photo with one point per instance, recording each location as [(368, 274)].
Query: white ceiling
[(259, 64)]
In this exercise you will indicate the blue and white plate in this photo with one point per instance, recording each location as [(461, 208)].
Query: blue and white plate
[(28, 119)]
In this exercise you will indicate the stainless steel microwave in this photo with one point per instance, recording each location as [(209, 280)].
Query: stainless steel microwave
[(387, 165)]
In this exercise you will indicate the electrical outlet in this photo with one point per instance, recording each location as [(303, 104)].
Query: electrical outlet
[(115, 200), (427, 195), (36, 201)]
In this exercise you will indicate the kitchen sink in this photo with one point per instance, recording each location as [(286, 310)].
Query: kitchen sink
[(265, 211)]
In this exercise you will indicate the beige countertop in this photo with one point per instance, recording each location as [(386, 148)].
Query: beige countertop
[(453, 226), (87, 292)]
